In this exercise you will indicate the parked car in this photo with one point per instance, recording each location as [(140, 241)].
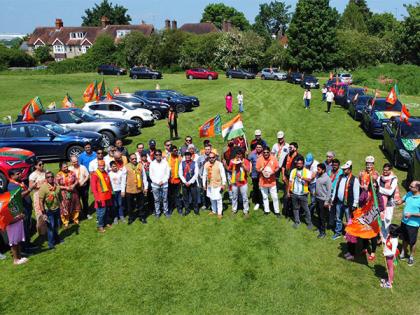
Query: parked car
[(47, 140), (309, 81), (159, 109), (144, 73), (77, 119), (118, 109), (375, 117), (181, 104), (201, 73), (400, 140), (357, 106), (294, 77), (273, 74), (413, 172), (14, 158), (345, 78), (239, 74), (348, 95), (111, 70), (195, 101)]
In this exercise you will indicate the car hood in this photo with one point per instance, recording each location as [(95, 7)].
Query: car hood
[(15, 153), (110, 120), (83, 134), (140, 111), (410, 144)]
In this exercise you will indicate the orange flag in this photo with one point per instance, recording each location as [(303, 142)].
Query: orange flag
[(117, 91), (392, 97), (90, 92), (405, 115)]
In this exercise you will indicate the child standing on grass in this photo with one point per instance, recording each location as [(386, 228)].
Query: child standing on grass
[(240, 98), (390, 252), (115, 175)]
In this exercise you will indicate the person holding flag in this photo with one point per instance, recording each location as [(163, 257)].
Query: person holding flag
[(173, 123), (391, 253)]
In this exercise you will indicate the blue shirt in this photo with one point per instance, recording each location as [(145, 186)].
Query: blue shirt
[(253, 159), (85, 159), (412, 205)]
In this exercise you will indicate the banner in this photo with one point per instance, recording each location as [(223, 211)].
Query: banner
[(211, 127), (10, 206)]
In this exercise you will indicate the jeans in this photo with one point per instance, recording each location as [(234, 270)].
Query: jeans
[(190, 198), (324, 97), (256, 192), (135, 206), (118, 204), (241, 107), (160, 194), (323, 214), (217, 206), (273, 192), (173, 131), (301, 201), (307, 102), (101, 216), (328, 106), (340, 209), (243, 190), (174, 200), (52, 227)]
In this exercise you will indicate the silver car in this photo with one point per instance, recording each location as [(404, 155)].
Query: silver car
[(273, 74)]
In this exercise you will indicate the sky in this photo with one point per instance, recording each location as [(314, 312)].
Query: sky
[(22, 16)]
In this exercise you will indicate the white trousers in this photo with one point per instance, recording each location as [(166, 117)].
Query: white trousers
[(273, 192), (243, 190), (217, 206)]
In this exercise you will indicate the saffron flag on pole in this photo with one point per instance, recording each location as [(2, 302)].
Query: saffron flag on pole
[(101, 90), (109, 95), (331, 75), (233, 128), (405, 115), (211, 127), (90, 92), (32, 109), (392, 95), (10, 206), (67, 101), (117, 91)]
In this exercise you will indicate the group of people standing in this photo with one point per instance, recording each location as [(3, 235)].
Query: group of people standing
[(229, 102), (151, 181)]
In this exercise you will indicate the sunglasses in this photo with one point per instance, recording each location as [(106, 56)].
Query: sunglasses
[(99, 153), (49, 176), (40, 164), (168, 145), (158, 154), (265, 152), (188, 140), (212, 157)]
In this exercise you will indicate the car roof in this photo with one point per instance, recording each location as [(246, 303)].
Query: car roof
[(61, 109), (23, 123), (105, 101)]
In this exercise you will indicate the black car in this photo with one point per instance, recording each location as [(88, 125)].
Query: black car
[(239, 74), (111, 70), (181, 104), (295, 77), (349, 94), (400, 140), (159, 109), (195, 101), (413, 172), (357, 105), (144, 73), (309, 81)]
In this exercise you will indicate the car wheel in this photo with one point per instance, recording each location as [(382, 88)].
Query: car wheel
[(107, 138), (154, 77), (190, 77), (210, 77), (230, 76), (246, 77), (74, 150), (3, 183), (263, 77), (138, 120), (134, 77), (180, 108), (157, 114), (276, 78)]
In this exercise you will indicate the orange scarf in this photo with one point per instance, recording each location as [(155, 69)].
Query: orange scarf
[(289, 160), (102, 182)]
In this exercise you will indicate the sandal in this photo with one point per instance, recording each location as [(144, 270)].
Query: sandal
[(371, 257)]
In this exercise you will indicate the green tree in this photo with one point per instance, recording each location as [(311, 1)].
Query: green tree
[(408, 41), (276, 55), (312, 35), (131, 48), (218, 12), (102, 52), (353, 18), (272, 18), (116, 14), (169, 47), (199, 51), (381, 23), (43, 54)]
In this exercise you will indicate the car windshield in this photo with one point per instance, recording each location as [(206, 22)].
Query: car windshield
[(412, 131), (353, 92), (78, 113), (57, 128), (129, 107), (363, 100), (346, 75), (385, 107)]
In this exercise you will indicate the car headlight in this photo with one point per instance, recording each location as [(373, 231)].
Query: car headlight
[(404, 154)]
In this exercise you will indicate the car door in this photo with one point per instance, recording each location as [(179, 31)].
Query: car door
[(65, 118), (47, 143), (116, 111), (15, 137)]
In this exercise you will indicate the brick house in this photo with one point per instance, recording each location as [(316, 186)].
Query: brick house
[(69, 42), (199, 28)]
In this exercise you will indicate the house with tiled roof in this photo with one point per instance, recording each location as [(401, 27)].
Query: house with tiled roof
[(199, 28), (70, 42)]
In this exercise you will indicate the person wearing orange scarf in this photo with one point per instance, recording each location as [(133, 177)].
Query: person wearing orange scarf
[(102, 192), (70, 201), (364, 176), (174, 187), (240, 168), (173, 123), (214, 182)]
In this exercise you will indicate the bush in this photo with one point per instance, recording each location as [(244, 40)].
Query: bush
[(43, 54), (78, 64), (15, 58)]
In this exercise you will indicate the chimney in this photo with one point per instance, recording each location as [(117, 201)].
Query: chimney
[(174, 25), (105, 21), (58, 23), (167, 24)]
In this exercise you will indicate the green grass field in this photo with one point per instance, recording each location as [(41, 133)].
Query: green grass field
[(198, 264)]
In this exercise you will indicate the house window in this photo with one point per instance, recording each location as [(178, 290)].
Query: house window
[(59, 59), (57, 49), (85, 49), (37, 46), (122, 33), (77, 35)]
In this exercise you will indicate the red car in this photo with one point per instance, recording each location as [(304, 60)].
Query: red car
[(13, 158), (201, 73)]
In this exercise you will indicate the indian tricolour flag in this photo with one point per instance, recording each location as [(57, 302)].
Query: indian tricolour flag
[(233, 128)]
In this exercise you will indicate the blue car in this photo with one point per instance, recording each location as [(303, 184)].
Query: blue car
[(357, 106), (47, 140), (400, 140), (181, 104), (193, 99), (375, 117)]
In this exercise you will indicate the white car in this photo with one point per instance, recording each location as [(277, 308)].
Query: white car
[(345, 78), (117, 109)]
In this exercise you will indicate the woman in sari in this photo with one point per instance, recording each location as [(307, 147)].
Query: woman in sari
[(36, 179), (70, 201)]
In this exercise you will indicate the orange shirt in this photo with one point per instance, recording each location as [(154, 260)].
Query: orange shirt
[(267, 170)]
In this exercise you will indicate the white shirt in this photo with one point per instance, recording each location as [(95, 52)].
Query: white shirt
[(240, 98), (394, 244), (82, 174), (282, 154), (193, 178), (324, 90), (313, 170), (124, 179), (116, 179), (159, 172), (93, 165), (108, 160), (307, 95), (330, 96)]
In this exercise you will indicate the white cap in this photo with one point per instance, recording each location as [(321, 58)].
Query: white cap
[(258, 132), (370, 159), (191, 146), (280, 135), (347, 165)]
